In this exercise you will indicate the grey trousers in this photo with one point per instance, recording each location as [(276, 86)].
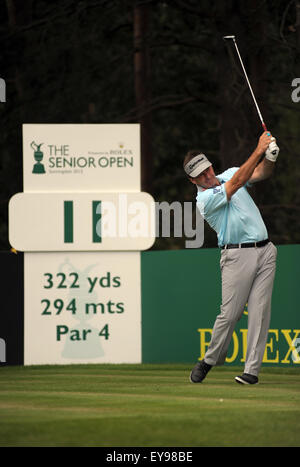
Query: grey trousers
[(247, 276)]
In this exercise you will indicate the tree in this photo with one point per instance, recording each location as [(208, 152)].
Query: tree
[(163, 64), (142, 80)]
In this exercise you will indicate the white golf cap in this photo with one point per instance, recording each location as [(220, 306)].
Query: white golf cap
[(197, 165)]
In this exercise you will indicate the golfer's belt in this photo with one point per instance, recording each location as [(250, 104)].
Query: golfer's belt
[(245, 245)]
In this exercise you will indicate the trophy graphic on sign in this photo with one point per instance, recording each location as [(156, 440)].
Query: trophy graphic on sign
[(38, 168), (78, 348)]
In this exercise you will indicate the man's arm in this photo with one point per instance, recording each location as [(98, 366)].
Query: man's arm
[(241, 176), (262, 171)]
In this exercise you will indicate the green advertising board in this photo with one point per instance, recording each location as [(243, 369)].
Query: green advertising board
[(181, 297)]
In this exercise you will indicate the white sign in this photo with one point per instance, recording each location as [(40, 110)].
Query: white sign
[(82, 308), (81, 221), (81, 197), (2, 350), (81, 157)]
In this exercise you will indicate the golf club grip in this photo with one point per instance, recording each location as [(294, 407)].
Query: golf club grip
[(264, 126)]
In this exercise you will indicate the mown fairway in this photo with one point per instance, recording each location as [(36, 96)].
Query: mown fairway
[(146, 405)]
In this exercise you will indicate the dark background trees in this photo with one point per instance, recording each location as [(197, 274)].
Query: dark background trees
[(163, 64)]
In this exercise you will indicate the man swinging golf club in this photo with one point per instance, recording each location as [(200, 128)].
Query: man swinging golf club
[(248, 258)]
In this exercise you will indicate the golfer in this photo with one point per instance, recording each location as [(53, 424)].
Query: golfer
[(248, 258)]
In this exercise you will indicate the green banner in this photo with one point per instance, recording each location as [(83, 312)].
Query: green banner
[(181, 297)]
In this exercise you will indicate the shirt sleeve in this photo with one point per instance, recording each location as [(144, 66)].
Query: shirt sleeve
[(228, 174), (211, 200)]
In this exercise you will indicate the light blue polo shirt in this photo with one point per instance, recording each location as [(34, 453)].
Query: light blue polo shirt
[(235, 221)]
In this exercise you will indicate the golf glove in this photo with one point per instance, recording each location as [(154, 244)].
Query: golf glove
[(272, 151)]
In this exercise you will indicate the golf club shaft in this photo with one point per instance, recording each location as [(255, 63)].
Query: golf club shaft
[(247, 79)]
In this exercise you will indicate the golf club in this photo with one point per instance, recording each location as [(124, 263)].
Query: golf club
[(247, 79)]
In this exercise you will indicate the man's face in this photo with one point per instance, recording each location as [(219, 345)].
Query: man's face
[(207, 178)]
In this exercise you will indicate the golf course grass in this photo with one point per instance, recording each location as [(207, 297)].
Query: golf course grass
[(146, 405)]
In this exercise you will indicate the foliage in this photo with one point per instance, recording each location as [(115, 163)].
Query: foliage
[(68, 61)]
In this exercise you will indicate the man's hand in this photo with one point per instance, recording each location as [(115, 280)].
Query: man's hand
[(245, 172), (272, 150), (263, 142)]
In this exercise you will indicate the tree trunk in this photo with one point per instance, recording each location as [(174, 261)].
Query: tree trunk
[(258, 69), (298, 35), (141, 21), (239, 122), (19, 13), (232, 89)]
